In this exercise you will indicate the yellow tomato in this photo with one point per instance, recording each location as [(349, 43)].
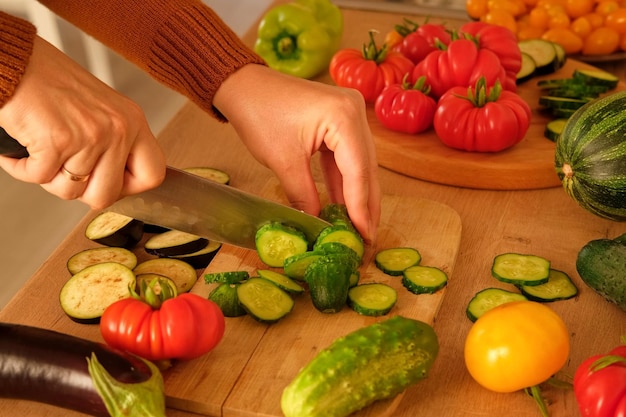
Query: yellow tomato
[(539, 18), (616, 20), (622, 42), (559, 20), (605, 7), (601, 41), (571, 42), (581, 26), (392, 38), (514, 7), (476, 8), (596, 20), (529, 32), (500, 18), (515, 346), (577, 8)]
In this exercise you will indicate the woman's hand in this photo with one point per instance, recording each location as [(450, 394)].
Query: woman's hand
[(72, 123), (284, 120)]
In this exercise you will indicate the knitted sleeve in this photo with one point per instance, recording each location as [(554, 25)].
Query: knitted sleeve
[(181, 43), (16, 45)]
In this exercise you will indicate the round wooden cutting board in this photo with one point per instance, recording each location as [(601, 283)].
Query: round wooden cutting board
[(527, 165)]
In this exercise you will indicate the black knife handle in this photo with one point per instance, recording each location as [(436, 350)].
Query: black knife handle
[(11, 147)]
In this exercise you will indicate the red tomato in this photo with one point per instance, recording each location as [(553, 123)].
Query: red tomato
[(500, 41), (601, 389), (184, 327), (481, 120), (369, 70), (405, 108), (420, 40), (461, 65)]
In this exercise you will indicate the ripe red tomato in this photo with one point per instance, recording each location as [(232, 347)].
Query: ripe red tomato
[(368, 70), (184, 327), (420, 40), (406, 108)]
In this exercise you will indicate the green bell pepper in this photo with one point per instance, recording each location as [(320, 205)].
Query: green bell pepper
[(300, 38)]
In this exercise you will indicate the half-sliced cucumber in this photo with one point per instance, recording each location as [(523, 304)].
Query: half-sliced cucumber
[(174, 243), (489, 298), (341, 234), (88, 257), (276, 242), (263, 300), (226, 277), (113, 229), (225, 296), (394, 261), (558, 287), (183, 274), (86, 295), (420, 279), (372, 299), (521, 269)]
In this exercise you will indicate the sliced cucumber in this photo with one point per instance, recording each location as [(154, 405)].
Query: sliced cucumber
[(521, 269), (88, 257), (86, 295), (554, 128), (209, 173), (394, 261), (420, 279), (202, 258), (597, 77), (263, 300), (527, 70), (116, 230), (337, 215), (341, 234), (543, 53), (281, 280), (174, 243), (276, 242), (183, 274), (225, 296), (489, 298), (328, 279), (227, 277), (295, 266), (558, 287), (372, 299)]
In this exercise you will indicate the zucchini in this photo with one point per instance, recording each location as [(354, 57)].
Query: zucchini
[(281, 280), (341, 234), (521, 269), (601, 264), (65, 371), (225, 296), (372, 299), (543, 53), (489, 298), (394, 261), (558, 287), (372, 363), (561, 55), (597, 77), (86, 295), (554, 128), (88, 257), (173, 243), (621, 239), (567, 103), (183, 274), (263, 300), (113, 229), (527, 70), (227, 277), (202, 258), (213, 174), (420, 279), (328, 279), (276, 242)]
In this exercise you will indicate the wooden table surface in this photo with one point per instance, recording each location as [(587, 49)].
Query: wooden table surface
[(544, 222)]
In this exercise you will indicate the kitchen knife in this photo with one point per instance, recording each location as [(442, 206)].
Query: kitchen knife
[(193, 204)]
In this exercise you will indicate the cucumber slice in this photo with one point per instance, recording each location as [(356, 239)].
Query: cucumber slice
[(521, 269), (341, 234), (558, 287), (276, 242), (86, 295), (489, 298), (263, 300), (372, 299), (209, 173), (282, 281), (394, 261), (554, 128), (88, 257), (225, 296), (228, 277), (183, 274), (116, 230), (421, 279), (174, 243), (296, 265)]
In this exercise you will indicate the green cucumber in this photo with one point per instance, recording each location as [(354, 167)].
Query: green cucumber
[(601, 264), (295, 266), (337, 215), (372, 299), (226, 277), (328, 279), (276, 242), (558, 287), (521, 269), (281, 280), (225, 296), (394, 261), (373, 363), (420, 279), (263, 300), (341, 234), (489, 298)]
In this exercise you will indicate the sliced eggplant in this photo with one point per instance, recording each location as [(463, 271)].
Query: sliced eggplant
[(86, 295), (183, 274), (209, 173), (202, 258), (77, 374), (116, 230), (174, 243), (93, 256)]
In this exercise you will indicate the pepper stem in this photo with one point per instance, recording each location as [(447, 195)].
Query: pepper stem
[(535, 391)]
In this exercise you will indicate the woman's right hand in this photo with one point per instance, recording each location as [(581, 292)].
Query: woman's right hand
[(69, 120)]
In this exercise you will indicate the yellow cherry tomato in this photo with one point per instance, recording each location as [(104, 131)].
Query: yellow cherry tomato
[(581, 26), (529, 32), (538, 17), (577, 8), (596, 19), (559, 20), (514, 7), (616, 20), (622, 42), (571, 42), (601, 41), (500, 18), (516, 345), (605, 7), (476, 8)]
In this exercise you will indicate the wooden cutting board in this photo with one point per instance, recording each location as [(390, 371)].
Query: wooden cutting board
[(527, 165), (246, 373)]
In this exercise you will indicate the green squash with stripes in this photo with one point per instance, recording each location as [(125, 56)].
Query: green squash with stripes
[(590, 156)]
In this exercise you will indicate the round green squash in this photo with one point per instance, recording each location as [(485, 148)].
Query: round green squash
[(590, 156)]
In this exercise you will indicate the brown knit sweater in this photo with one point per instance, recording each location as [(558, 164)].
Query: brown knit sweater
[(181, 43)]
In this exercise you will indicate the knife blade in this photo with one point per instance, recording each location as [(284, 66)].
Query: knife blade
[(190, 203)]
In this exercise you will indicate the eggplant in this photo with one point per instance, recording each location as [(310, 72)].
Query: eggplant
[(174, 243), (113, 229), (65, 371)]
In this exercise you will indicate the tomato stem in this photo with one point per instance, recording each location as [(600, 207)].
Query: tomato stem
[(606, 361), (371, 51), (535, 391)]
